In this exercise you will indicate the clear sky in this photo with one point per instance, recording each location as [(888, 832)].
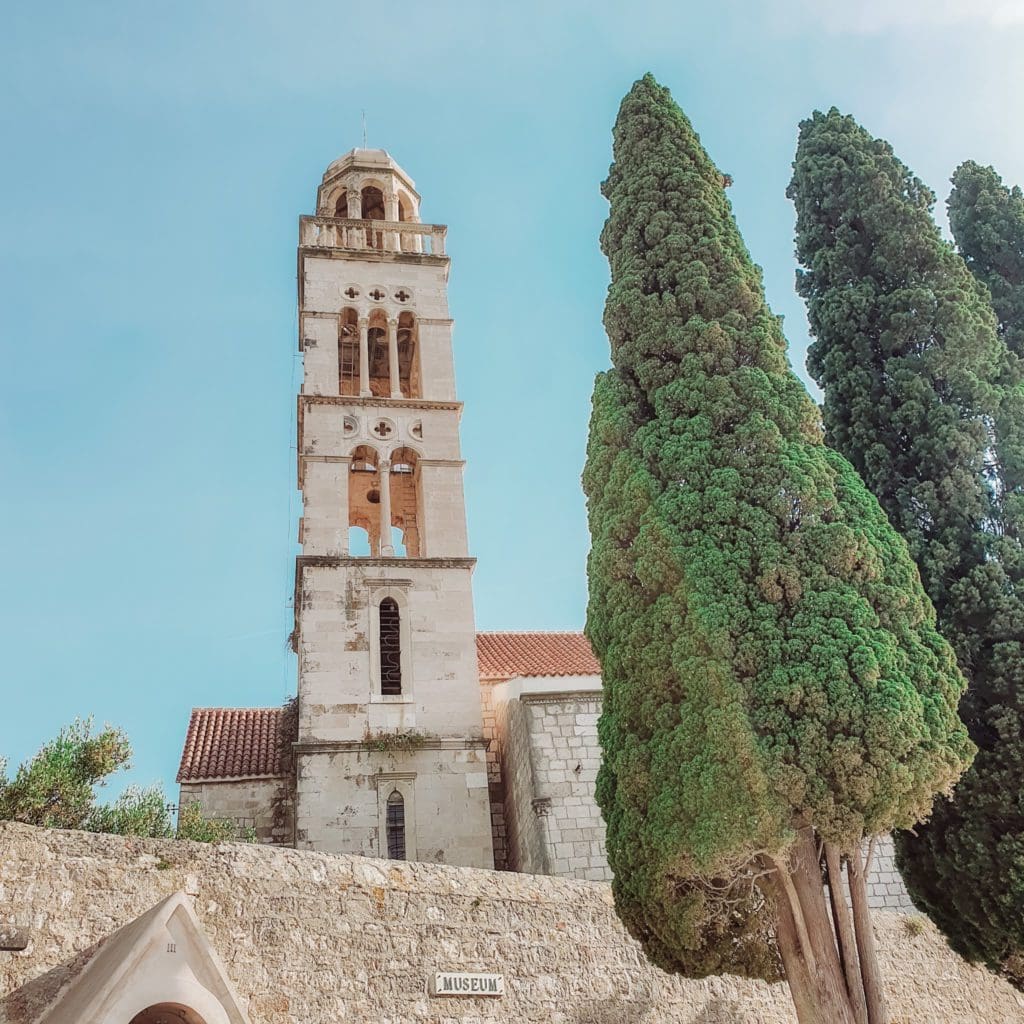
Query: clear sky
[(156, 158)]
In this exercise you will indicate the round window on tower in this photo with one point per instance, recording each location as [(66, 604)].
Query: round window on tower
[(416, 430), (402, 295), (350, 426), (383, 429)]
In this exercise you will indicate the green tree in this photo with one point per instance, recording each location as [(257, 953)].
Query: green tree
[(137, 811), (57, 787), (987, 220), (923, 397), (775, 688)]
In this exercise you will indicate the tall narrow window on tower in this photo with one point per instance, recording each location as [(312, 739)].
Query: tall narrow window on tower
[(396, 826), (390, 648)]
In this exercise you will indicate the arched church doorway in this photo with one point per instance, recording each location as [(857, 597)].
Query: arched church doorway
[(167, 1013)]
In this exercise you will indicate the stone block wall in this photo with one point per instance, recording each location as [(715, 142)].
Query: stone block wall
[(310, 938), (562, 736), (265, 805), (342, 796), (495, 785)]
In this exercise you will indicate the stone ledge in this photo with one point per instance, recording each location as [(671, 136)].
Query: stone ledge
[(368, 746)]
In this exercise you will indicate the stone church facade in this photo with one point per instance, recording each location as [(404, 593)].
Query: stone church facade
[(413, 736)]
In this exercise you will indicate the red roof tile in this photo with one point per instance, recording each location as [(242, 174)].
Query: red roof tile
[(224, 743), (504, 655)]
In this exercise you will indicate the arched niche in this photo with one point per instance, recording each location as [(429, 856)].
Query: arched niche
[(406, 503), (408, 355), (348, 352), (168, 1013), (364, 498)]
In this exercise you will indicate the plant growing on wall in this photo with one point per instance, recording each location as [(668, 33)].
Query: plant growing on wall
[(775, 688), (405, 741), (924, 397)]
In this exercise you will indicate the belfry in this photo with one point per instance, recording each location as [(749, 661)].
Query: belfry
[(390, 756)]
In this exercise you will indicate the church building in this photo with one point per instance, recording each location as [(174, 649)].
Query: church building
[(413, 736)]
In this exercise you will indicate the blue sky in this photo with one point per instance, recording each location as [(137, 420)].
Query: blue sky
[(156, 161)]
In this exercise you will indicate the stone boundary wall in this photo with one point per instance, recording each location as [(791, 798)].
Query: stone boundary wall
[(315, 938)]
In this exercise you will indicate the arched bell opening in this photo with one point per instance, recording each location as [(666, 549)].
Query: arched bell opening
[(373, 203), (373, 209), (364, 501), (408, 355), (341, 204), (406, 503), (377, 350), (348, 353), (167, 1013)]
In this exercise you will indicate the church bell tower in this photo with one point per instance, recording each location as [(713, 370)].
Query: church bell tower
[(390, 759)]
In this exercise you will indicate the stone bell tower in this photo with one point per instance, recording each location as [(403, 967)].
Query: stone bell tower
[(390, 759)]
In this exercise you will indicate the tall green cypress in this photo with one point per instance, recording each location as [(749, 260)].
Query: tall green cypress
[(987, 220), (922, 396), (773, 677)]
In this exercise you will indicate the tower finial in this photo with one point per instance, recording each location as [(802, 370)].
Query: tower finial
[(364, 129)]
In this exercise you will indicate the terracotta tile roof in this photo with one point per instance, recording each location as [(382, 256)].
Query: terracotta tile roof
[(223, 743), (504, 655)]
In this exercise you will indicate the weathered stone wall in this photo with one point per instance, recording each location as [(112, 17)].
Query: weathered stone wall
[(495, 782), (526, 847), (551, 770), (314, 938), (566, 756), (265, 805), (343, 797)]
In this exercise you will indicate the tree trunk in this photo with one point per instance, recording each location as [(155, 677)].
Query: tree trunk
[(844, 933), (807, 943), (870, 974)]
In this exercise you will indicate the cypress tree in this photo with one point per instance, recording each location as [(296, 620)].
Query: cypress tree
[(775, 688), (987, 220), (922, 396)]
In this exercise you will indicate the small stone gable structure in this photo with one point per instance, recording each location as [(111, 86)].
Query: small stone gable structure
[(159, 967)]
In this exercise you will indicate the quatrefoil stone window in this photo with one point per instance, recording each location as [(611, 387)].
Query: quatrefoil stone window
[(350, 426), (377, 294), (383, 429), (352, 292), (402, 295)]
